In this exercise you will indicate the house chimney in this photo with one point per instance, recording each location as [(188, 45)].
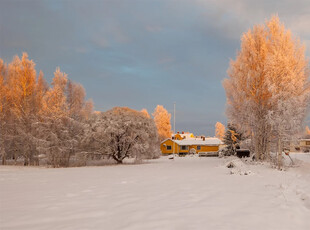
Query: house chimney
[(178, 132), (203, 138), (182, 132)]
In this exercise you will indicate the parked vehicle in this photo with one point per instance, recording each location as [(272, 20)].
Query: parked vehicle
[(242, 153)]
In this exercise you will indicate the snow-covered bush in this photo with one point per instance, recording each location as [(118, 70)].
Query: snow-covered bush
[(237, 166), (226, 151)]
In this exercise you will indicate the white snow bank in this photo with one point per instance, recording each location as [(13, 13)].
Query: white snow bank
[(236, 166)]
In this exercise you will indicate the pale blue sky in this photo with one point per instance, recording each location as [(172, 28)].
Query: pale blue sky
[(140, 53)]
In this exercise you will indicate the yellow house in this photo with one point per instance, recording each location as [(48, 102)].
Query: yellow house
[(169, 146), (302, 145), (305, 145), (194, 145), (177, 137), (183, 135)]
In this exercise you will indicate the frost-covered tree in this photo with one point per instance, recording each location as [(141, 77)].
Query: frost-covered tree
[(55, 103), (40, 91), (130, 134), (146, 113), (268, 87), (78, 108), (36, 119), (231, 138), (63, 126), (4, 106), (88, 109), (21, 83), (219, 130), (162, 121), (53, 129), (59, 139), (123, 133), (93, 142), (307, 130)]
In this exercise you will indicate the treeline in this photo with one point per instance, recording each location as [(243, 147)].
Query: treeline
[(56, 123)]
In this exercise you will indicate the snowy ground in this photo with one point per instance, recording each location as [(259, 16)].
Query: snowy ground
[(185, 193)]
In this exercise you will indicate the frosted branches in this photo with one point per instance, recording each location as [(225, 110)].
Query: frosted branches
[(268, 86)]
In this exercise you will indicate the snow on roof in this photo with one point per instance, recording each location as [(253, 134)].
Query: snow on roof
[(199, 141), (189, 135), (166, 140)]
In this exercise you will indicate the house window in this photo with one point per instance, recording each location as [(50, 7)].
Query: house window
[(184, 147), (198, 147), (168, 147), (307, 142)]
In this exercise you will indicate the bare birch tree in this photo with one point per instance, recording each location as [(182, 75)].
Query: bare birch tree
[(307, 131), (162, 121), (3, 110), (36, 119), (21, 95), (146, 113), (219, 130), (268, 87)]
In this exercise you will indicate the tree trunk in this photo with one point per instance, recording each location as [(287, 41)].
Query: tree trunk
[(118, 160), (2, 151), (258, 147), (3, 157), (26, 162), (279, 154), (268, 151)]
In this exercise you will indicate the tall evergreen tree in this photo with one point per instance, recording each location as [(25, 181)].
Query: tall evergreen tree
[(232, 137)]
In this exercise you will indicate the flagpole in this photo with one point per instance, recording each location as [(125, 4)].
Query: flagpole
[(174, 117), (174, 127)]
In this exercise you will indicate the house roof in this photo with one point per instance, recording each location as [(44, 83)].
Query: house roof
[(166, 140), (199, 141), (184, 135)]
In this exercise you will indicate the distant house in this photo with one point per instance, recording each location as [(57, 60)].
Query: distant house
[(192, 145), (183, 135), (303, 145)]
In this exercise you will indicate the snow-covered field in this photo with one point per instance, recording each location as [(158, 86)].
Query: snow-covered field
[(185, 193)]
